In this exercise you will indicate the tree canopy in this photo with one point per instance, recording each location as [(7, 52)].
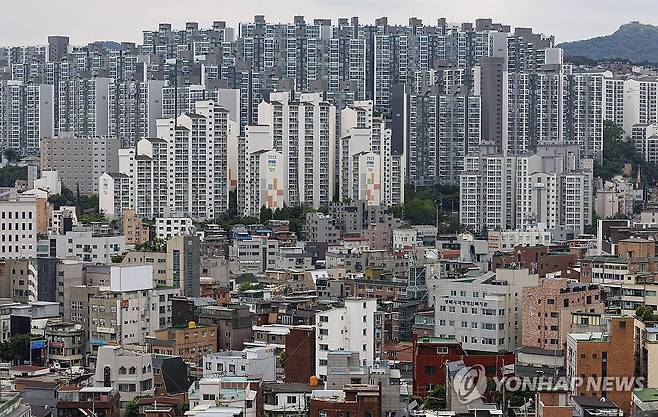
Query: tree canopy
[(619, 150)]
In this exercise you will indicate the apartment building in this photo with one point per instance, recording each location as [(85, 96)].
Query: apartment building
[(26, 115), (303, 131), (350, 327), (132, 309), (82, 106), (93, 156), (194, 147), (18, 229), (82, 244), (133, 108), (127, 372), (168, 227), (551, 187)]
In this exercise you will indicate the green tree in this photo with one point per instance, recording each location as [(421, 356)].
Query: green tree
[(11, 155), (265, 215), (92, 218), (437, 399), (117, 259), (281, 359), (10, 173), (132, 408), (619, 150)]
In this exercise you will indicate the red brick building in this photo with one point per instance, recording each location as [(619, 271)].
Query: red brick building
[(547, 310), (358, 401), (432, 353), (300, 355)]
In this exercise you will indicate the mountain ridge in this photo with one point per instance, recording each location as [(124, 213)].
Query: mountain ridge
[(634, 41)]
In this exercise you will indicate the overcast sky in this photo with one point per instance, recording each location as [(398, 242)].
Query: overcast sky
[(26, 22)]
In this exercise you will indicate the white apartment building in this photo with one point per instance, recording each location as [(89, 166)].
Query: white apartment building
[(552, 186), (18, 229), (114, 194), (645, 139), (484, 313), (304, 132), (168, 227), (253, 254), (263, 181), (366, 168), (80, 243), (350, 327), (405, 239), (252, 362), (565, 107), (183, 172)]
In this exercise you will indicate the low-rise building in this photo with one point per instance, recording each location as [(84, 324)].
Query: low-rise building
[(168, 227), (257, 362), (72, 400), (191, 343), (127, 372)]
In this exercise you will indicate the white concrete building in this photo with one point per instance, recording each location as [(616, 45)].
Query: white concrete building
[(366, 168), (552, 186), (18, 229), (81, 244), (304, 132), (130, 373), (350, 327), (263, 181), (405, 239), (168, 227), (49, 181), (131, 309), (645, 139), (483, 313), (252, 362), (183, 172), (500, 240)]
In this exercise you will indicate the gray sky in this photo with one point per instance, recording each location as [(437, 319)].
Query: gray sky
[(28, 22)]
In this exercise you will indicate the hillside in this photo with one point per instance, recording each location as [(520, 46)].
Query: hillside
[(633, 41)]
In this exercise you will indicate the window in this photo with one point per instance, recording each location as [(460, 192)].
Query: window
[(442, 350), (324, 347), (231, 368), (122, 371), (430, 370), (324, 319), (291, 399), (132, 370)]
